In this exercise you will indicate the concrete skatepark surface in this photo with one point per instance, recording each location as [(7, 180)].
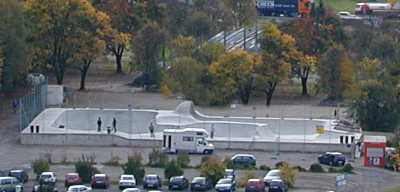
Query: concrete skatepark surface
[(134, 125)]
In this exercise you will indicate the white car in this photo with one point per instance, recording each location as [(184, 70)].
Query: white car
[(274, 174), (348, 15), (48, 177), (127, 181), (131, 190), (79, 188)]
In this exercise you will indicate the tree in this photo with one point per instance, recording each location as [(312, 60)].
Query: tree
[(13, 46), (91, 44), (199, 25), (60, 24), (234, 72), (147, 49), (213, 169), (84, 167), (134, 167), (209, 52), (39, 166), (243, 11), (125, 20), (172, 169), (377, 106), (310, 46), (183, 46), (277, 51), (336, 73), (157, 158), (288, 174)]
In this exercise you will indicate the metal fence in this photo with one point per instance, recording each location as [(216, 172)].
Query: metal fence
[(32, 104)]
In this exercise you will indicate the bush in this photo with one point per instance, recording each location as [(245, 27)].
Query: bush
[(228, 162), (300, 168), (157, 158), (134, 167), (243, 180), (213, 169), (265, 168), (84, 167), (183, 160), (40, 166), (280, 164), (333, 170), (347, 168), (172, 169), (288, 174), (316, 168)]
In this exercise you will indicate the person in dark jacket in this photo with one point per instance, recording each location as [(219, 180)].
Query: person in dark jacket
[(99, 124)]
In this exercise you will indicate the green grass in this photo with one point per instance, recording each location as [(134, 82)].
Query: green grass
[(341, 5), (394, 190)]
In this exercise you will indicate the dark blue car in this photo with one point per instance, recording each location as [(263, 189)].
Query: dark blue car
[(332, 159)]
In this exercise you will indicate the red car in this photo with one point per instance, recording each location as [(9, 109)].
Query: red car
[(72, 179), (255, 185)]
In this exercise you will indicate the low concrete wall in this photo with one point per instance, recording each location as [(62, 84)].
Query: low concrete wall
[(113, 140)]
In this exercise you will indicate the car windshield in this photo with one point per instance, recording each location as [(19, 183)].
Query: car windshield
[(45, 176), (100, 178), (127, 178), (273, 174), (199, 180), (151, 178), (176, 179), (71, 176), (224, 181)]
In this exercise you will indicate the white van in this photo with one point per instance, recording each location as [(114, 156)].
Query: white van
[(190, 140)]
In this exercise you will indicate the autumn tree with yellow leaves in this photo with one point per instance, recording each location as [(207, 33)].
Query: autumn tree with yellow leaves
[(125, 21), (278, 50), (61, 30), (235, 74)]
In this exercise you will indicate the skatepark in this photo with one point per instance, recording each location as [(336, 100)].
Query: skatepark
[(78, 126)]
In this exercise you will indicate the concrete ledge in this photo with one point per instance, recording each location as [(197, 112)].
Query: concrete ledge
[(115, 140)]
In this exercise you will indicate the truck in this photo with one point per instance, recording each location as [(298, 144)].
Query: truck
[(288, 8), (378, 9), (189, 140)]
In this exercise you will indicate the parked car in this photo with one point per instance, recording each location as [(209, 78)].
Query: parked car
[(10, 184), (131, 190), (47, 178), (200, 184), (127, 181), (243, 160), (152, 182), (72, 179), (178, 183), (21, 175), (45, 187), (226, 184), (100, 181), (348, 15), (277, 185), (272, 175), (255, 185), (230, 173), (79, 188), (332, 159)]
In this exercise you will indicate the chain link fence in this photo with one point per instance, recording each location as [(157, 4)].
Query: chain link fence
[(32, 104)]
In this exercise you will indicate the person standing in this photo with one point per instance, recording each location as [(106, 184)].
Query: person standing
[(99, 124), (114, 124), (212, 131), (15, 105), (151, 129)]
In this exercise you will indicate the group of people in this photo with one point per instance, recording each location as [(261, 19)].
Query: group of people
[(114, 127)]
